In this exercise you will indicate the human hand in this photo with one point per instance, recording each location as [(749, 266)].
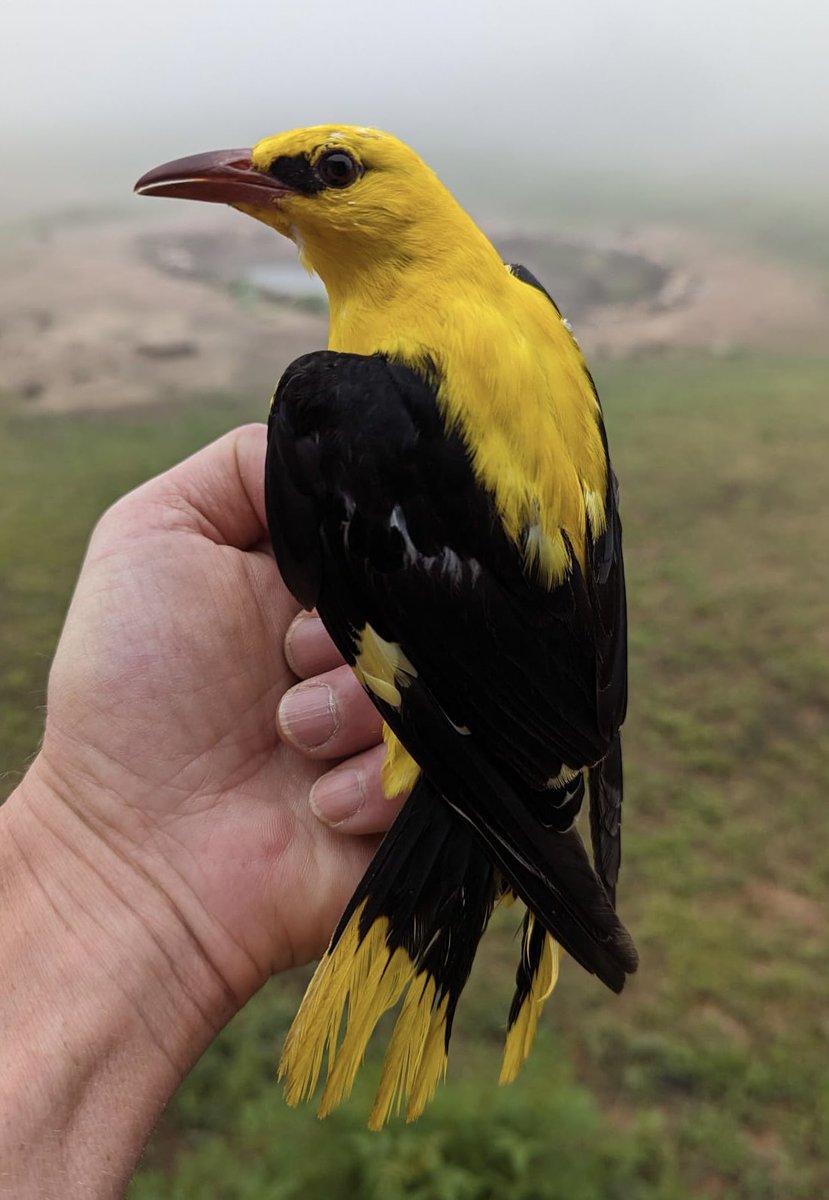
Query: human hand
[(161, 763)]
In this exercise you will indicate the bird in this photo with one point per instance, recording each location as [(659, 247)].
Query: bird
[(439, 488)]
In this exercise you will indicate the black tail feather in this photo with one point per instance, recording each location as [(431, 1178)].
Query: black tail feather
[(549, 870), (605, 786)]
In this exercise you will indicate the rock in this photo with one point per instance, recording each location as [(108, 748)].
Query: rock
[(168, 348)]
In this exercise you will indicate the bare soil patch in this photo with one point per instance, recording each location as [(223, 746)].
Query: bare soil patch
[(134, 311)]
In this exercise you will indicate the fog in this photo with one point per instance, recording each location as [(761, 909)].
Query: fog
[(94, 92)]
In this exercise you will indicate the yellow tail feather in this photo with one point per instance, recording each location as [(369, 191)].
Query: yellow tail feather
[(319, 1018), (522, 1033), (383, 988), (433, 1061), (367, 979), (405, 1050), (364, 979)]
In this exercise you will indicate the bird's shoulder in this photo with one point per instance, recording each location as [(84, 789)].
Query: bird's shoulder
[(524, 275), (368, 436)]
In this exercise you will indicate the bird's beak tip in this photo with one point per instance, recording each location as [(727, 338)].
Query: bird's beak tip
[(220, 177)]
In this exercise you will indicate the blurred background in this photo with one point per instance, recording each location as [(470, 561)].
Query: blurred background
[(665, 170)]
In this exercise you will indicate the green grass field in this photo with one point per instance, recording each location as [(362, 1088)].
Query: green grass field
[(710, 1076)]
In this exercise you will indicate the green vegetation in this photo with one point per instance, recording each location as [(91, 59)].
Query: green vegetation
[(709, 1076), (59, 474)]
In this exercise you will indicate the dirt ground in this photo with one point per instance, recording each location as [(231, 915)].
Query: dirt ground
[(88, 319)]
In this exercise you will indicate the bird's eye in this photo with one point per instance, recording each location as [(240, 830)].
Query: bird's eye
[(338, 169)]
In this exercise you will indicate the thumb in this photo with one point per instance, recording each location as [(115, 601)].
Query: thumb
[(217, 492)]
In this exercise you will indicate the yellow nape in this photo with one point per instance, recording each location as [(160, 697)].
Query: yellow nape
[(359, 981), (400, 771), (522, 1033)]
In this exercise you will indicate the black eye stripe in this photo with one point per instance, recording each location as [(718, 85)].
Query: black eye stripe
[(334, 169), (297, 172)]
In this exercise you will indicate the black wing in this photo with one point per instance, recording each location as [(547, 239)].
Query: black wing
[(378, 520)]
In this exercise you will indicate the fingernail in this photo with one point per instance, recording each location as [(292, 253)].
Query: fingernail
[(304, 626), (337, 796), (308, 715)]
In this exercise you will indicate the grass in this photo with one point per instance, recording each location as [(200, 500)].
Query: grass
[(708, 1077), (59, 474)]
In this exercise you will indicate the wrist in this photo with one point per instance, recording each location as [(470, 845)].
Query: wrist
[(107, 1000)]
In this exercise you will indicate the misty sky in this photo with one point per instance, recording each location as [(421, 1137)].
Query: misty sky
[(95, 91)]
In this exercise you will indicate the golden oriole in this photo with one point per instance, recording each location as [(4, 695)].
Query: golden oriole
[(438, 486)]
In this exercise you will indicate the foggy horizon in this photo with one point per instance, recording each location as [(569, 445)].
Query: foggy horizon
[(96, 95)]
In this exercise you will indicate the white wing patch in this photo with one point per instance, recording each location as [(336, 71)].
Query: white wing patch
[(447, 561)]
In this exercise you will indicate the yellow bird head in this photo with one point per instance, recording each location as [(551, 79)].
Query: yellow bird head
[(353, 199)]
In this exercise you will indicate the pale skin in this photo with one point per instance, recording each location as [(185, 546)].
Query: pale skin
[(182, 834)]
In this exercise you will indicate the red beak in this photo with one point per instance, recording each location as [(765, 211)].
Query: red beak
[(221, 176)]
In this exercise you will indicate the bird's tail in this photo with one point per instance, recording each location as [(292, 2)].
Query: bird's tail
[(412, 928), (410, 933), (535, 979)]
